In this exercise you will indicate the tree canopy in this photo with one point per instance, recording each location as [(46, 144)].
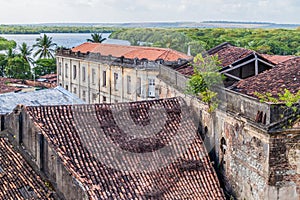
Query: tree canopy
[(270, 41), (96, 38), (45, 47)]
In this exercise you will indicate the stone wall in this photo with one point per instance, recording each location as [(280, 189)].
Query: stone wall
[(43, 155), (252, 162)]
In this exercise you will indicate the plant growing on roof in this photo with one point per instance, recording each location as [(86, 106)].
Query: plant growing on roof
[(204, 79), (289, 99)]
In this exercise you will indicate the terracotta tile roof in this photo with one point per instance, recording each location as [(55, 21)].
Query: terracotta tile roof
[(5, 88), (77, 134), (40, 84), (229, 54), (49, 76), (276, 59), (285, 75), (150, 53), (17, 179), (186, 70)]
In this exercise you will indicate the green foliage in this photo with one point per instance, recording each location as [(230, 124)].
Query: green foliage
[(22, 29), (164, 38), (18, 68), (44, 66), (25, 52), (205, 77), (271, 41), (44, 47), (287, 98), (6, 44), (96, 38)]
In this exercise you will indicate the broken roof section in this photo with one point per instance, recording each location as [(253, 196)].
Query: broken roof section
[(285, 75), (17, 179), (121, 151), (55, 96)]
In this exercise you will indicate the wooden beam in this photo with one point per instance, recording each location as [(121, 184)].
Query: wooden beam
[(231, 76), (256, 65), (238, 66), (266, 63)]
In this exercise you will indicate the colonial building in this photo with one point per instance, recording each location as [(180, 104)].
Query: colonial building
[(255, 145), (113, 73)]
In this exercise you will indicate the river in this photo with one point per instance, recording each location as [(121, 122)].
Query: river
[(68, 40)]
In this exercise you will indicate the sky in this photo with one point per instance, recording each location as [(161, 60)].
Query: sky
[(112, 11)]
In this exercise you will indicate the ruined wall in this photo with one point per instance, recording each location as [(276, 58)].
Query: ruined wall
[(284, 165), (243, 156), (254, 164), (44, 156)]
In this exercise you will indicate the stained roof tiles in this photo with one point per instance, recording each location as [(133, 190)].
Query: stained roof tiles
[(17, 179), (285, 75), (78, 135), (131, 52)]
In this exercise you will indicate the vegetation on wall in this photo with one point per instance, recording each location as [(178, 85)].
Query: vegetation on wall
[(290, 101), (204, 79)]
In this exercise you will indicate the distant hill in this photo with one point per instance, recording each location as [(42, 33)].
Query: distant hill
[(205, 24)]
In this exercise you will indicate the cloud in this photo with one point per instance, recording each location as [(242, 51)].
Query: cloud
[(30, 11)]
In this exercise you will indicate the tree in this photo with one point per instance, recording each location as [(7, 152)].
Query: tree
[(25, 52), (96, 38), (18, 68), (205, 78), (44, 47), (44, 66)]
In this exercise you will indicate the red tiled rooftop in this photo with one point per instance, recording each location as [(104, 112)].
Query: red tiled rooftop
[(276, 59), (131, 52), (49, 76), (5, 87), (229, 54), (17, 179), (285, 75), (76, 133)]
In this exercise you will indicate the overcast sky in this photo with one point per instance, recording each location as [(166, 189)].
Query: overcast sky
[(42, 11)]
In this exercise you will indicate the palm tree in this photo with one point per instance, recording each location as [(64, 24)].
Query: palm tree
[(25, 52), (44, 45), (96, 38)]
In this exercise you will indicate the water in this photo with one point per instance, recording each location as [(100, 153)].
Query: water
[(68, 40)]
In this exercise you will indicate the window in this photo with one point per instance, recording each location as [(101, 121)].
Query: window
[(83, 95), (104, 78), (74, 71), (116, 81), (128, 84), (60, 68), (94, 97), (83, 73), (67, 87), (104, 99), (66, 70), (74, 90), (139, 86), (93, 75), (151, 87)]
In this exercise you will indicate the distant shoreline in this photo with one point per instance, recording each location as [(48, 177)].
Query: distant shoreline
[(111, 27)]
